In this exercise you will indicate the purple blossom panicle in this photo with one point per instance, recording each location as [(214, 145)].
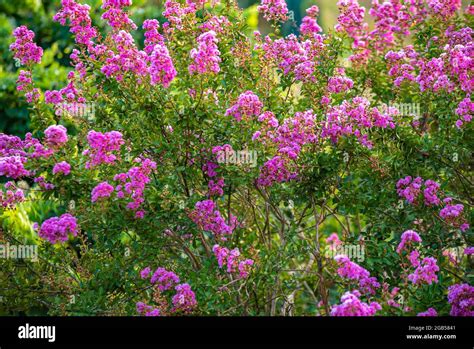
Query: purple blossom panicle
[(468, 251), (24, 49), (425, 272), (351, 305), (11, 196), (147, 310), (56, 135), (62, 167), (145, 273), (461, 298), (152, 36), (13, 166), (57, 229), (101, 190), (233, 261), (428, 312), (80, 22), (161, 69), (408, 237), (184, 300), (164, 279), (132, 184), (247, 105), (274, 10), (352, 271), (208, 218), (206, 57), (102, 148)]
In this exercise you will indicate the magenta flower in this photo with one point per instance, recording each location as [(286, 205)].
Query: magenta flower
[(425, 272), (408, 237), (58, 229), (62, 167), (461, 298), (55, 135), (24, 49), (102, 147), (351, 305), (247, 105), (102, 190), (206, 57), (161, 69), (428, 312), (184, 300), (274, 10)]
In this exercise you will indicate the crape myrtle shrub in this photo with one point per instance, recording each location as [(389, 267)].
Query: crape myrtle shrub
[(213, 171)]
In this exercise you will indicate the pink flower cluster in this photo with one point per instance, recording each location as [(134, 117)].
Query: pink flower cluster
[(147, 310), (41, 181), (393, 17), (338, 84), (351, 305), (208, 218), (309, 25), (274, 10), (408, 237), (275, 170), (101, 190), (175, 13), (132, 184), (25, 84), (353, 271), (102, 147), (216, 23), (126, 59), (12, 196), (68, 94), (465, 111), (24, 49), (62, 167), (116, 16), (461, 298), (13, 166), (247, 105), (80, 21), (428, 312), (55, 136), (353, 117), (57, 229), (207, 56), (333, 241), (152, 36), (452, 69), (410, 189), (444, 8), (425, 272), (233, 261), (453, 214), (293, 56), (351, 22), (184, 300), (290, 137), (164, 279), (161, 69), (216, 188)]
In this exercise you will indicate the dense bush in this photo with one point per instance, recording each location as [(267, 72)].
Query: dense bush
[(212, 170)]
